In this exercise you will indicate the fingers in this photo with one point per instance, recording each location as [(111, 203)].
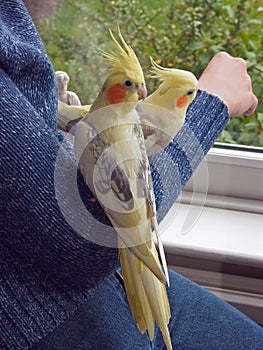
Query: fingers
[(253, 105), (247, 103)]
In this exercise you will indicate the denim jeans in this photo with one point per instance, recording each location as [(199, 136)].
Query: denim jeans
[(200, 321)]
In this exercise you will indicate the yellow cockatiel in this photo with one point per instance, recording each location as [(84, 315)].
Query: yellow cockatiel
[(111, 154), (162, 114)]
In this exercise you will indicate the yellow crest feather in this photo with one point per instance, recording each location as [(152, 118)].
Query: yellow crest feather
[(124, 59), (172, 76)]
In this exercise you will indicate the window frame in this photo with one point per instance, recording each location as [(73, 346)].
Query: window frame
[(229, 177)]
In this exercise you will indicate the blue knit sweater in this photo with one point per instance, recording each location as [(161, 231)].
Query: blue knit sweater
[(47, 270)]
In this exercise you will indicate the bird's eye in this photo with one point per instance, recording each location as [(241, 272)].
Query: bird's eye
[(128, 84), (190, 92)]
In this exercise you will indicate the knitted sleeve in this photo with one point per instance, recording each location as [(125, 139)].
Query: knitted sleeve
[(38, 220)]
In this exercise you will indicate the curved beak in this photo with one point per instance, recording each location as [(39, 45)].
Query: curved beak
[(142, 92)]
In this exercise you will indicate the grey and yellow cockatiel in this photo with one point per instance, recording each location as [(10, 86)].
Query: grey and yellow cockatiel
[(111, 155)]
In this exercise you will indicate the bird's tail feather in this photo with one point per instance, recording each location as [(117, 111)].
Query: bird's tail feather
[(147, 296), (143, 249), (161, 249)]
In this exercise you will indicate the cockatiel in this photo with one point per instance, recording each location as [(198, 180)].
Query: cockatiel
[(111, 155), (163, 113)]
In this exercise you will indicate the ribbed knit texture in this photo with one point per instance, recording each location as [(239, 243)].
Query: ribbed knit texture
[(46, 269)]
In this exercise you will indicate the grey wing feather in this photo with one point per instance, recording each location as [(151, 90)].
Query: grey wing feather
[(144, 173), (121, 187), (112, 176)]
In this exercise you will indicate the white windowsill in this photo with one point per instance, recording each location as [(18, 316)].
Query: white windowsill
[(220, 212), (220, 234)]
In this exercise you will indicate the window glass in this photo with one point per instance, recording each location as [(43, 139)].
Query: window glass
[(184, 34)]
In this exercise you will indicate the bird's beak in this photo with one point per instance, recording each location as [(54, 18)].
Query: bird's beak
[(142, 92)]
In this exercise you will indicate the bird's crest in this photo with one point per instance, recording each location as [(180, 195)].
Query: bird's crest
[(124, 59), (172, 76)]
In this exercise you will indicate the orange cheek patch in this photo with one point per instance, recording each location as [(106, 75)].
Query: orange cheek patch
[(115, 94), (181, 101)]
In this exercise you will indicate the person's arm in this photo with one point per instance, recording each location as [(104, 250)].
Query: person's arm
[(225, 90)]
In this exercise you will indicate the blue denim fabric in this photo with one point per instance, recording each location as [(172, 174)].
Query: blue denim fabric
[(200, 321)]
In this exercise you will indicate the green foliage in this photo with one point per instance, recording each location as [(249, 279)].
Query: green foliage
[(183, 34)]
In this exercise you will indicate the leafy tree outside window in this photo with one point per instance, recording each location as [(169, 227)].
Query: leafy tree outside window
[(182, 34)]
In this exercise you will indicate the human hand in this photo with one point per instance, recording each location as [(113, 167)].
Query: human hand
[(227, 78)]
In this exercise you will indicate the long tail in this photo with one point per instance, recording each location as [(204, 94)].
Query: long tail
[(161, 249), (147, 296)]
